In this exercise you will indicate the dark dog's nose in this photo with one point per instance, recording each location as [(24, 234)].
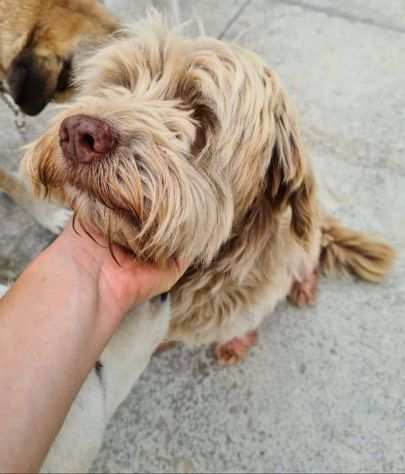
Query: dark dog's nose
[(28, 85), (84, 138)]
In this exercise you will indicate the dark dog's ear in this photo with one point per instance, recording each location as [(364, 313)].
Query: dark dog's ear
[(207, 124), (65, 76), (201, 106), (290, 181)]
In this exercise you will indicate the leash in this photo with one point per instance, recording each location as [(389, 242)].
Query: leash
[(19, 118)]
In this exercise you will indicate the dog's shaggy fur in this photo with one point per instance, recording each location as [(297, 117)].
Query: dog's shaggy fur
[(208, 168)]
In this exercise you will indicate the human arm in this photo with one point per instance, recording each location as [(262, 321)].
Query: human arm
[(54, 323)]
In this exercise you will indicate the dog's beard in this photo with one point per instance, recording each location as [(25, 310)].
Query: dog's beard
[(148, 195)]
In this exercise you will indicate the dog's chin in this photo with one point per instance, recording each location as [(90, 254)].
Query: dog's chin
[(131, 221), (107, 215), (116, 226)]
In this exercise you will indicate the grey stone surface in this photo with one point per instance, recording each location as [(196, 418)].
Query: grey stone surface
[(387, 15), (324, 390), (20, 237), (215, 14)]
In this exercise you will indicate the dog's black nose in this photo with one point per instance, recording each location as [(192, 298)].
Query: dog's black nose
[(28, 86), (84, 138)]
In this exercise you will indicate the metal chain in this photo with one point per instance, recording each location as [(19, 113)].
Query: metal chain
[(19, 118)]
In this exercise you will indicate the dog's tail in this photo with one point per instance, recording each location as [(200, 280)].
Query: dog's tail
[(345, 251)]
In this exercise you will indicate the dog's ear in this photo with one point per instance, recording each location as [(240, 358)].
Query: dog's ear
[(207, 122), (290, 181), (202, 109)]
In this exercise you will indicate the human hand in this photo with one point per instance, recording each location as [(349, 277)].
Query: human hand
[(109, 289), (55, 321)]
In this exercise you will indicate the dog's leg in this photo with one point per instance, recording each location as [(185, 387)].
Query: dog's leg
[(47, 214), (129, 351), (305, 291), (235, 350), (81, 435), (236, 337)]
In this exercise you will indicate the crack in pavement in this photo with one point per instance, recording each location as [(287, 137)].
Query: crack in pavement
[(234, 18), (334, 12)]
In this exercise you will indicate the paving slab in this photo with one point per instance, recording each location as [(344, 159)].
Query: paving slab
[(386, 15), (21, 238), (214, 14)]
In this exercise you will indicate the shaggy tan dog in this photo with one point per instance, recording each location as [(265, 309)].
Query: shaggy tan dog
[(189, 148)]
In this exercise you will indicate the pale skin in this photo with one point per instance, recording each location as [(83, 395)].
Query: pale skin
[(54, 323)]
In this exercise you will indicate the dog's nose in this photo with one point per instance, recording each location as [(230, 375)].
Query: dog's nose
[(84, 138)]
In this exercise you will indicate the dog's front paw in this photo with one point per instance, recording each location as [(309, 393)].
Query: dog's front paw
[(236, 350), (49, 215)]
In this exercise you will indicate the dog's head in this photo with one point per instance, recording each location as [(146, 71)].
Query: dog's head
[(174, 147), (41, 69)]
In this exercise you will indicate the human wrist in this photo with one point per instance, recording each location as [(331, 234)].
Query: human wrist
[(88, 264)]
